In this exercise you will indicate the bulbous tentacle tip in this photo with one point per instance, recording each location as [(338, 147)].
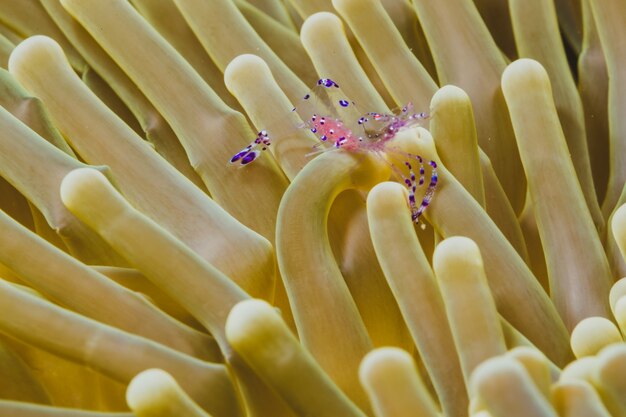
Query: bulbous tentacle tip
[(522, 71), (315, 22), (446, 94), (79, 181), (457, 252), (241, 68), (21, 57), (146, 385), (381, 360), (246, 316)]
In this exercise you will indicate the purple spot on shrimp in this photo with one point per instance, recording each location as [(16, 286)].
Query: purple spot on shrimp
[(238, 156), (343, 103), (249, 158), (307, 97), (314, 130)]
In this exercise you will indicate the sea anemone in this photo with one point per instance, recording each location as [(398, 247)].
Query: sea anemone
[(144, 275)]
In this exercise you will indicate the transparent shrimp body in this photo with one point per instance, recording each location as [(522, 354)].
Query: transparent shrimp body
[(338, 124)]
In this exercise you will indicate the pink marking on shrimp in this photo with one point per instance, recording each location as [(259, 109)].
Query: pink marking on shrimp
[(333, 131)]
